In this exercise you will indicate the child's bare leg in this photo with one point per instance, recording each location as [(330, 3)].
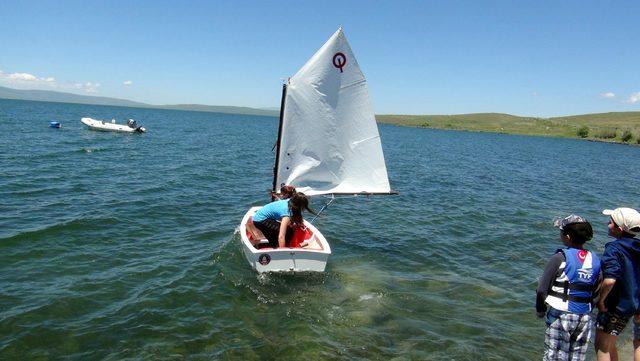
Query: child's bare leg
[(636, 350), (253, 230), (606, 346)]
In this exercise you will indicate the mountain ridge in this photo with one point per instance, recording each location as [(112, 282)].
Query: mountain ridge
[(64, 97)]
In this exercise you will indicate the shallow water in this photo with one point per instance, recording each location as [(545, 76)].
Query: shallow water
[(118, 246)]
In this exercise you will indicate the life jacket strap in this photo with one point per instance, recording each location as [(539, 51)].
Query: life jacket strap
[(566, 297), (574, 287)]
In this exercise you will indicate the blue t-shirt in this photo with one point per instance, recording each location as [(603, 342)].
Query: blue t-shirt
[(621, 260), (274, 210)]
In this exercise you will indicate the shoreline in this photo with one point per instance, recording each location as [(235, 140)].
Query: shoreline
[(594, 140), (617, 128)]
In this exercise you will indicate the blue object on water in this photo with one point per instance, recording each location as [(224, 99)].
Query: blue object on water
[(54, 124)]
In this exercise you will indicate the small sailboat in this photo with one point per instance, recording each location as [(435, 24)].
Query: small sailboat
[(328, 144), (101, 125)]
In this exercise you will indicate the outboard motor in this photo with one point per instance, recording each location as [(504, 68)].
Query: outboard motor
[(132, 124)]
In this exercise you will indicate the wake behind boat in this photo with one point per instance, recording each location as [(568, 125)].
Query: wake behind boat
[(328, 144), (101, 125)]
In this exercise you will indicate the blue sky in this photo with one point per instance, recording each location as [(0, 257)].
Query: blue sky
[(539, 58)]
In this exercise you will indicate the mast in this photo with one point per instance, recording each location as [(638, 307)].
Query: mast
[(275, 167)]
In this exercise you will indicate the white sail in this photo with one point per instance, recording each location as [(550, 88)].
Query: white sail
[(329, 142)]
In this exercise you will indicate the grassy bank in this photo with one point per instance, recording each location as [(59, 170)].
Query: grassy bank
[(621, 127)]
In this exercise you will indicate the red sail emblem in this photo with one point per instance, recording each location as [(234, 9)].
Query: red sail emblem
[(582, 255)]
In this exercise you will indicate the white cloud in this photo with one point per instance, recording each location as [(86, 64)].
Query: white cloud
[(634, 98), (26, 80), (535, 94), (22, 76), (608, 95), (90, 87), (127, 82), (30, 81), (87, 87)]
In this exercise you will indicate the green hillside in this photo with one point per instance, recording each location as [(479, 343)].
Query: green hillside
[(614, 127)]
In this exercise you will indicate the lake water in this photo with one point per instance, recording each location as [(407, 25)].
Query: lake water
[(116, 246)]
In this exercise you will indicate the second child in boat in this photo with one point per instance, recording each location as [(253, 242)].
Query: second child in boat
[(276, 220)]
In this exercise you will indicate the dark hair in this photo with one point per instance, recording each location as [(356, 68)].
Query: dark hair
[(297, 204), (579, 232), (287, 191)]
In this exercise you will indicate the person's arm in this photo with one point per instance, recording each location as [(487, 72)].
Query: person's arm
[(611, 271), (596, 290), (284, 223), (605, 288), (544, 285)]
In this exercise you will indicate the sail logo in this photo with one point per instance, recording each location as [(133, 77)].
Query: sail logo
[(339, 61)]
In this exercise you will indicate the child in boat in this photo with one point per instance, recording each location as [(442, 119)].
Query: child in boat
[(286, 192), (277, 219), (567, 286)]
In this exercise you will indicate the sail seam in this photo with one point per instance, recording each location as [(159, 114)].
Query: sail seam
[(353, 84)]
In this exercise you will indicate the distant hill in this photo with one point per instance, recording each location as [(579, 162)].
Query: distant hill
[(621, 127), (612, 127), (61, 97), (219, 109)]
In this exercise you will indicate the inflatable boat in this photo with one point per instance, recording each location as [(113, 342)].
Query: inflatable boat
[(101, 125)]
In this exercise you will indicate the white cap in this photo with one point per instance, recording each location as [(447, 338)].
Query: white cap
[(626, 218)]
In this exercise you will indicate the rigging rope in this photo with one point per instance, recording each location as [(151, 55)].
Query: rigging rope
[(333, 198)]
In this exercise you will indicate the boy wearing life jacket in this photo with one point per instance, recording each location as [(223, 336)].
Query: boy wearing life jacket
[(567, 286), (619, 294)]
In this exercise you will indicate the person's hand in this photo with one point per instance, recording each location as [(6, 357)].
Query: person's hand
[(540, 314)]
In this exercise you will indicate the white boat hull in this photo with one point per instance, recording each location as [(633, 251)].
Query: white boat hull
[(103, 126), (309, 259)]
